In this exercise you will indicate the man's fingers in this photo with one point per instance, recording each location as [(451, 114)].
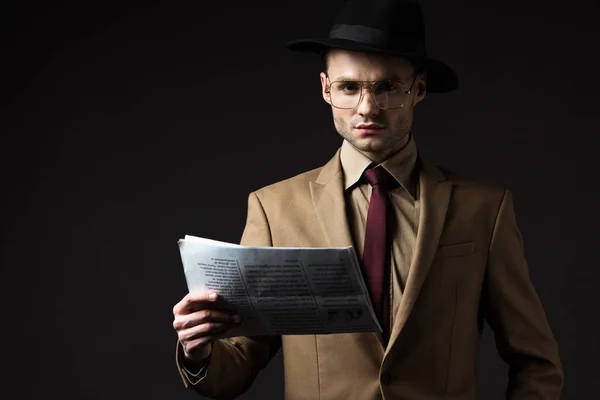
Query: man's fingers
[(194, 301), (187, 321), (195, 331), (200, 333)]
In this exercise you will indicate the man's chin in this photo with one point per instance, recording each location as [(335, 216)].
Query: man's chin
[(370, 144)]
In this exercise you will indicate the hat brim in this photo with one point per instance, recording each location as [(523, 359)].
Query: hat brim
[(440, 77)]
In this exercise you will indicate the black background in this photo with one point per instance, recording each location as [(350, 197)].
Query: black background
[(128, 125)]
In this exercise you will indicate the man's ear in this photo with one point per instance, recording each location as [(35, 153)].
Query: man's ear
[(324, 88), (420, 88)]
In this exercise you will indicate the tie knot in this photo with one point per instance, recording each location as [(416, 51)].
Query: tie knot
[(379, 176)]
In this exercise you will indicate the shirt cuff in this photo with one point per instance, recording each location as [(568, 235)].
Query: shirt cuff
[(194, 378)]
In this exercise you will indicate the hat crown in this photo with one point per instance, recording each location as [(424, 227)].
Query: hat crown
[(395, 24)]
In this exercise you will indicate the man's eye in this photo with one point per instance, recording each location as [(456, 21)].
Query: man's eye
[(386, 87), (349, 87)]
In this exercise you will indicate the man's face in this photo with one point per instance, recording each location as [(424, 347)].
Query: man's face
[(375, 132)]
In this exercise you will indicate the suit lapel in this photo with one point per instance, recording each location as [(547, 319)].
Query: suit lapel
[(435, 195), (328, 199)]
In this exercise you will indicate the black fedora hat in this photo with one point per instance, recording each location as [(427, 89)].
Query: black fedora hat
[(394, 27)]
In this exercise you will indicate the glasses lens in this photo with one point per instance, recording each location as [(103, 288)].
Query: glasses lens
[(389, 94), (345, 94)]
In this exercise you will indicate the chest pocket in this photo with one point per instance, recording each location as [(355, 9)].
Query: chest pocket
[(455, 250)]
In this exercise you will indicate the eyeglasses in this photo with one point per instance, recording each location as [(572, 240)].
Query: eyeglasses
[(387, 95)]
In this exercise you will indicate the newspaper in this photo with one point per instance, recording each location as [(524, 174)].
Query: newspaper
[(282, 290)]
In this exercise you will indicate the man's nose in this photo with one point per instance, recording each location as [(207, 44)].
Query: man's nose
[(367, 105)]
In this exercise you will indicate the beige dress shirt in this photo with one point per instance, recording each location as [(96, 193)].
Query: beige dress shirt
[(405, 200)]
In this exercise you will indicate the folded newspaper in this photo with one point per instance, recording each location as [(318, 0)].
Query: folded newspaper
[(282, 290)]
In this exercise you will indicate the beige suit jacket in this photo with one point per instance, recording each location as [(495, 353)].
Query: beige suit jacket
[(468, 267)]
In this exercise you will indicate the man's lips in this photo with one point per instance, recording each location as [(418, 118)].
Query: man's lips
[(369, 129), (369, 126)]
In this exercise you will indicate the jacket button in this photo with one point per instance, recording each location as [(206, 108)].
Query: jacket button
[(386, 377)]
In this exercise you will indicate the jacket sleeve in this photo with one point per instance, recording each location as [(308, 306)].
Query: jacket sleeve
[(515, 313), (235, 362)]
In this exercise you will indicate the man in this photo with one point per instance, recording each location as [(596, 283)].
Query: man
[(440, 254)]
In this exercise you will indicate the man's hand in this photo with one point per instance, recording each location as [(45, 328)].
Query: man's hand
[(198, 322)]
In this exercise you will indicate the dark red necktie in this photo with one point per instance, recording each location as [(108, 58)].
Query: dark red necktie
[(376, 250)]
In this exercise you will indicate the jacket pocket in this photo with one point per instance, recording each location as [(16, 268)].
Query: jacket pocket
[(455, 250)]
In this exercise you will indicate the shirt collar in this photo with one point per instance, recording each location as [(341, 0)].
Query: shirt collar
[(401, 165)]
